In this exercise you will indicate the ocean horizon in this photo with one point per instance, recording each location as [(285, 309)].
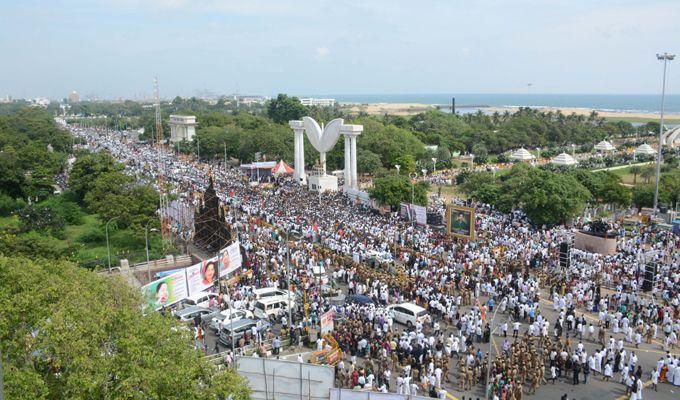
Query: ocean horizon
[(641, 103)]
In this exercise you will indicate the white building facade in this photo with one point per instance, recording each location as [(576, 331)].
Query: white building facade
[(182, 127), (311, 101)]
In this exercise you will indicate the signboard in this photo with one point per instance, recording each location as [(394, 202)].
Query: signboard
[(460, 221), (413, 212), (202, 275), (166, 291), (326, 322), (229, 259)]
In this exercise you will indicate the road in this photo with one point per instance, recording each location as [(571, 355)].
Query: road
[(596, 388)]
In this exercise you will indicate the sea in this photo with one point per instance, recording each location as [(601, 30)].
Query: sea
[(638, 103)]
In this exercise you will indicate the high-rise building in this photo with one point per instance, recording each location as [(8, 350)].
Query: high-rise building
[(73, 97)]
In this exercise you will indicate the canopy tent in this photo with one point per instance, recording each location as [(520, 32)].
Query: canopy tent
[(563, 159), (644, 149), (604, 146), (522, 155), (282, 168)]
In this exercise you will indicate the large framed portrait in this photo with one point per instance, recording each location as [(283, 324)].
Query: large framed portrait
[(460, 221)]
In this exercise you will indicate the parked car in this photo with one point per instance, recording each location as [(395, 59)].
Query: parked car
[(188, 314), (199, 299), (238, 329), (223, 316), (269, 308), (207, 318), (408, 313), (359, 299)]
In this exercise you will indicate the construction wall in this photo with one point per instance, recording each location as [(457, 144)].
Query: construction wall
[(272, 379), (349, 394)]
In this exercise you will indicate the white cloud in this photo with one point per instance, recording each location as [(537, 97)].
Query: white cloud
[(321, 52)]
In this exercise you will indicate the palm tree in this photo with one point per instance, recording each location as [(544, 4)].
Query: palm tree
[(635, 170), (647, 173)]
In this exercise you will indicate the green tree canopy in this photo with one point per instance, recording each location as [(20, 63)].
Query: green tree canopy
[(67, 333), (283, 109), (395, 189), (546, 197)]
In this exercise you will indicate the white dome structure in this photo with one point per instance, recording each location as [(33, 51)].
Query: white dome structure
[(522, 155), (604, 146), (563, 159), (645, 149)]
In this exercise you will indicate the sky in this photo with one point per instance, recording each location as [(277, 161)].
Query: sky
[(114, 48)]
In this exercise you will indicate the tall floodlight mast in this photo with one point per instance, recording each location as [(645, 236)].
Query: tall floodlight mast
[(163, 203)]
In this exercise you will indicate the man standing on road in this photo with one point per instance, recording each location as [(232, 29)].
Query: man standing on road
[(586, 372), (577, 369)]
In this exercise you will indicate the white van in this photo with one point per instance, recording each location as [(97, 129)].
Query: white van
[(319, 273), (271, 293), (408, 313), (199, 299), (269, 307)]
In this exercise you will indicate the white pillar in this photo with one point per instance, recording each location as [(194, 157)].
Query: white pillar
[(353, 144), (348, 163), (351, 132), (322, 162), (299, 151)]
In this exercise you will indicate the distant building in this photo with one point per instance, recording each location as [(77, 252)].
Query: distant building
[(311, 101), (73, 97), (182, 127), (41, 101), (249, 100)]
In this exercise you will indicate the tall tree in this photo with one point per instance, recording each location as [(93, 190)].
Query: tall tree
[(283, 109)]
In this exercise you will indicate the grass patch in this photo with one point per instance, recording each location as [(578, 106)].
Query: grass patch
[(448, 192), (10, 223), (642, 120)]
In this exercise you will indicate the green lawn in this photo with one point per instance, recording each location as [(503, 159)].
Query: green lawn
[(628, 178), (448, 192), (9, 223), (124, 243)]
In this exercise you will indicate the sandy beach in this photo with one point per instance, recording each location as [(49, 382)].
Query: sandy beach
[(415, 108)]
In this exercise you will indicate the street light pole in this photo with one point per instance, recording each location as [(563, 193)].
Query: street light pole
[(665, 57), (488, 356), (146, 246), (290, 316), (108, 248), (413, 176)]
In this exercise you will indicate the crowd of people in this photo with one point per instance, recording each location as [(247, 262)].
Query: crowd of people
[(509, 268)]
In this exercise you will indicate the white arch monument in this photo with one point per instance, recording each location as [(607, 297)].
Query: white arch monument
[(324, 138)]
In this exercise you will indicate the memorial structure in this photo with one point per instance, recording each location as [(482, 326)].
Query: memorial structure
[(212, 231), (182, 127), (324, 138)]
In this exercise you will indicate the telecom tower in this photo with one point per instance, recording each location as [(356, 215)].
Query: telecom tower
[(166, 232)]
